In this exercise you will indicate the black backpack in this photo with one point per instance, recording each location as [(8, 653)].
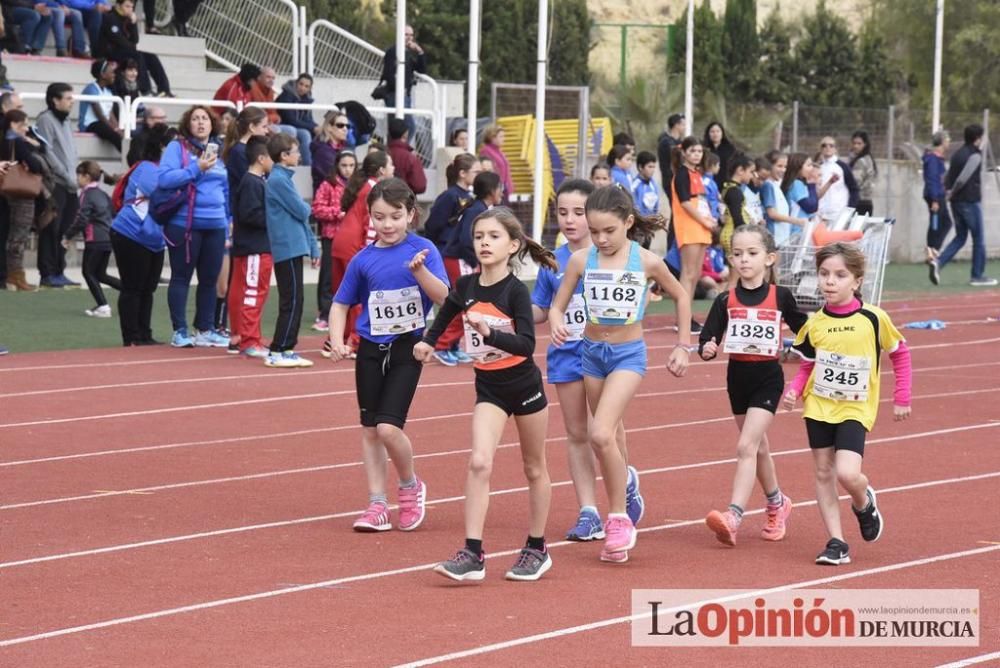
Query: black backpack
[(361, 119)]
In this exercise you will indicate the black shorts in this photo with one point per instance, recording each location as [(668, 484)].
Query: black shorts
[(754, 385), (523, 395), (848, 435), (386, 376)]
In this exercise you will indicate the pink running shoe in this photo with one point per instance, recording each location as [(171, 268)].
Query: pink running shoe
[(620, 534), (411, 506), (725, 525), (774, 528), (376, 518), (614, 557)]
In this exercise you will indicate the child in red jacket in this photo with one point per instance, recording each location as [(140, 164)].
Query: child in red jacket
[(327, 212)]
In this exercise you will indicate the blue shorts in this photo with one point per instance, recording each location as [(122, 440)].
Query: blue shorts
[(601, 359), (563, 365)]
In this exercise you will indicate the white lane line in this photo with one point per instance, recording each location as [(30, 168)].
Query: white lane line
[(971, 661), (327, 467), (614, 621), (454, 499), (412, 569)]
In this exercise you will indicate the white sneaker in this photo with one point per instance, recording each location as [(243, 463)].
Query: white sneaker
[(983, 282), (286, 360), (99, 312)]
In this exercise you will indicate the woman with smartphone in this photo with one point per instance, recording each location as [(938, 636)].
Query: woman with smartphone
[(196, 234)]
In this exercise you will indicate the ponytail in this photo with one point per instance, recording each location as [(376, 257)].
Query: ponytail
[(369, 169), (463, 162), (677, 155), (528, 246), (241, 126)]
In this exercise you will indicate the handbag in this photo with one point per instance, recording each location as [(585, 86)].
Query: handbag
[(381, 91), (19, 182)]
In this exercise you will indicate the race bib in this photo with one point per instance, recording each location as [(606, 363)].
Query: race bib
[(477, 349), (841, 377), (703, 208), (575, 318), (753, 331), (613, 294), (755, 209), (392, 312)]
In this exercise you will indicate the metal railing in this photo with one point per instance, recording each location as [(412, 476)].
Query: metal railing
[(333, 52), (264, 32)]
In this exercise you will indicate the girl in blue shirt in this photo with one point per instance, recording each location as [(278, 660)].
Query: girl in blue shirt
[(620, 162), (395, 280)]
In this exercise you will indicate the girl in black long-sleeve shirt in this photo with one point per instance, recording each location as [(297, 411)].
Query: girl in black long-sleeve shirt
[(500, 337)]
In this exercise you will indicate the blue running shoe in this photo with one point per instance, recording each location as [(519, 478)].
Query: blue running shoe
[(445, 357), (588, 527), (211, 339), (180, 339), (461, 357), (635, 506)]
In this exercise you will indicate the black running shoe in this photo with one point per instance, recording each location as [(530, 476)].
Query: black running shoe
[(870, 519), (835, 554), (935, 271), (695, 327)]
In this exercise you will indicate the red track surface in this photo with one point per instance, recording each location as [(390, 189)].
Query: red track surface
[(184, 508)]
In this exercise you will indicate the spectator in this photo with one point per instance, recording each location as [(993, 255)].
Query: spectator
[(28, 152), (33, 20), (118, 41), (864, 170), (93, 12), (600, 175), (492, 148), (8, 100), (262, 91), (196, 234), (252, 122), (328, 213), (800, 187), (628, 141), (57, 131), (127, 81), (331, 141), (93, 218), (964, 188), (415, 60), (61, 14), (100, 117), (409, 168), (486, 164), (299, 91), (138, 242), (937, 205), (777, 211), (460, 251), (226, 119), (151, 117), (842, 190), (184, 10), (236, 89), (620, 162), (645, 192), (459, 139), (717, 142), (676, 130)]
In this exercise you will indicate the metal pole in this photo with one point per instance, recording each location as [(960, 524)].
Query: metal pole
[(985, 146), (473, 112), (938, 49), (304, 43), (401, 58), (581, 158), (622, 61), (795, 126), (689, 70), (888, 163), (538, 219)]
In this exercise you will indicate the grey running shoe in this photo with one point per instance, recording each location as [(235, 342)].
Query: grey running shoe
[(530, 565), (463, 566)]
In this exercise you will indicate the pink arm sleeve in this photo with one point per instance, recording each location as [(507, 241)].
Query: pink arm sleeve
[(802, 377), (903, 372)]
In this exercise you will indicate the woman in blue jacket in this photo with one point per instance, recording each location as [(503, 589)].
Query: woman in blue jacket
[(196, 235), (138, 243)]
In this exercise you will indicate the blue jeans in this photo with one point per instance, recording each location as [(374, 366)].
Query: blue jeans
[(34, 26), (59, 16), (411, 123), (202, 254), (304, 138), (968, 218), (92, 19)]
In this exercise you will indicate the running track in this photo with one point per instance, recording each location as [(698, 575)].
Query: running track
[(184, 508)]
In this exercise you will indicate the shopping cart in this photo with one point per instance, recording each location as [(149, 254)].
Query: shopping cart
[(796, 268)]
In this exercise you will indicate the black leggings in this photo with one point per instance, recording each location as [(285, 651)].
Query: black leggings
[(386, 377), (95, 272), (104, 130), (288, 274), (140, 271), (324, 286), (939, 223)]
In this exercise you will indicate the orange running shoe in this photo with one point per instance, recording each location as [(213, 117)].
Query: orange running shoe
[(725, 525)]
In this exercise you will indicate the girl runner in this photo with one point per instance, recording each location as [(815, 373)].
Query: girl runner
[(394, 280), (500, 337), (839, 381), (614, 272), (749, 318)]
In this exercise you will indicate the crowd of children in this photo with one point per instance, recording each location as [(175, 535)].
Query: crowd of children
[(382, 280)]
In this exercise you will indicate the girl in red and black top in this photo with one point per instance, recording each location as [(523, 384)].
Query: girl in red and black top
[(746, 320), (500, 337), (328, 213)]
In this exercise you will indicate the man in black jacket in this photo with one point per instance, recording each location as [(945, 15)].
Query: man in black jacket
[(416, 61), (676, 129), (119, 41), (299, 91), (964, 188)]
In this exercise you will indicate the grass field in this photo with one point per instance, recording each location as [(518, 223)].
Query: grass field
[(54, 319)]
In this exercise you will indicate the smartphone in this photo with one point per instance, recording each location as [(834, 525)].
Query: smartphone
[(211, 151)]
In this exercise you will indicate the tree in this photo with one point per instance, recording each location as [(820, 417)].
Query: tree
[(827, 60), (876, 76), (778, 80), (709, 68), (740, 48)]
